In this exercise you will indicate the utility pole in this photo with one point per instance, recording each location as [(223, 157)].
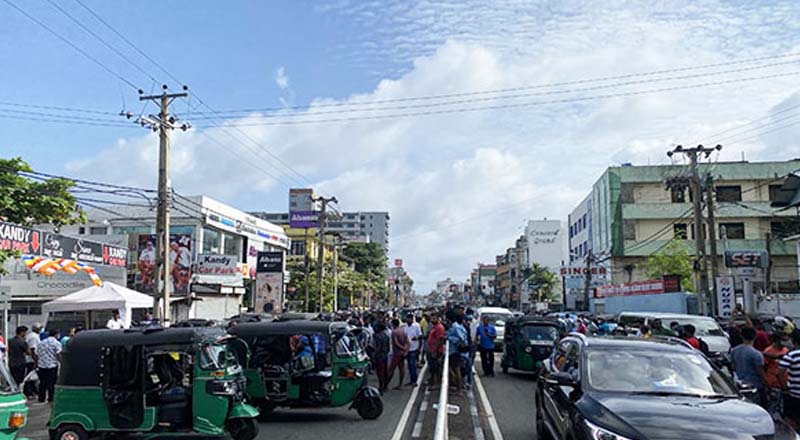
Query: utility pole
[(588, 280), (701, 265), (321, 247), (712, 237), (306, 269), (335, 273), (163, 123)]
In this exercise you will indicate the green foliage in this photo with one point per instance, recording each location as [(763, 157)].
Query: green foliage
[(673, 259), (27, 202), (543, 280)]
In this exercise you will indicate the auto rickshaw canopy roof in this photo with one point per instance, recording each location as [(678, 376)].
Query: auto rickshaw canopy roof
[(287, 328)]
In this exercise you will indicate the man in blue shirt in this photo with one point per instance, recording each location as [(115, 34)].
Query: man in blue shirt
[(486, 334), (457, 337)]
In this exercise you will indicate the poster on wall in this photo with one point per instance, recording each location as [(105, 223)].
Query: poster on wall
[(269, 282), (180, 255)]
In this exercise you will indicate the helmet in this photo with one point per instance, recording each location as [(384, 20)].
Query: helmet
[(782, 325)]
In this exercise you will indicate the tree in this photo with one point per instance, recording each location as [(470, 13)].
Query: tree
[(673, 259), (27, 202), (543, 280), (368, 258)]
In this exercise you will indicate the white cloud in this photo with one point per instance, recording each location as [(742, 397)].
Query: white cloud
[(459, 186), (281, 79)]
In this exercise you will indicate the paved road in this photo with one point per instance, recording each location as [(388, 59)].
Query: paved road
[(290, 424), (511, 396)]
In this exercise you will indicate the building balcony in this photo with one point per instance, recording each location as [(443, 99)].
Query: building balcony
[(634, 248), (655, 211)]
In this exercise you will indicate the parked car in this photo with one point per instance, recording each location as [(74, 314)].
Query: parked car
[(644, 389)]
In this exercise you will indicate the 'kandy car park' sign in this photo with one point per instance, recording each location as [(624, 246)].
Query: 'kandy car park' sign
[(47, 244), (746, 259)]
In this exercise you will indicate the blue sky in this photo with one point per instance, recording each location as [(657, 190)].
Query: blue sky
[(458, 185)]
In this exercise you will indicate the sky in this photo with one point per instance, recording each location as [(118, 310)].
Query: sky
[(347, 97)]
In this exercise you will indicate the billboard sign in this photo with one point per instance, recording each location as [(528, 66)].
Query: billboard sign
[(217, 269), (648, 287), (19, 238), (269, 282), (180, 255), (303, 219), (49, 244), (398, 262), (726, 296), (746, 259)]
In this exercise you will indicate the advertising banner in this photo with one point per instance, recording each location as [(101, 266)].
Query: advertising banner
[(746, 259), (726, 296), (269, 282), (217, 269), (49, 244), (180, 255), (303, 219), (648, 287)]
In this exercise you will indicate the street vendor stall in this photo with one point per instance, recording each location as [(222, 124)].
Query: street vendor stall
[(109, 296)]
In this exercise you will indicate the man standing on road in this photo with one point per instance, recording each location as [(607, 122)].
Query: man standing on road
[(18, 352), (748, 363), (380, 359), (457, 337), (414, 334), (469, 356), (115, 323), (400, 347), (49, 354), (436, 339), (486, 334), (32, 338)]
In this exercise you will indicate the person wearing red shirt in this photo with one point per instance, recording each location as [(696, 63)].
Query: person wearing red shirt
[(762, 338), (436, 339), (688, 336)]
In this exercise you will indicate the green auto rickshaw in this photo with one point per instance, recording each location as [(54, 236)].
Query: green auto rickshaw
[(307, 364), (529, 341), (13, 412), (154, 381)]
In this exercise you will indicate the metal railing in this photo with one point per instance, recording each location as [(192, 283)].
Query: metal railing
[(440, 431)]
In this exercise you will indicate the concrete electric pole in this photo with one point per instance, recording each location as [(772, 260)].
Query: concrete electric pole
[(701, 266), (321, 246), (163, 123), (712, 242)]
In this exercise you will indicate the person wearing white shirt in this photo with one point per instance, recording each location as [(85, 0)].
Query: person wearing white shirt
[(414, 333), (115, 323)]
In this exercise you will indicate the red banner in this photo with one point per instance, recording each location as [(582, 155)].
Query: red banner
[(647, 287)]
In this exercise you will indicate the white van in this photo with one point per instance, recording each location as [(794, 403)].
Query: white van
[(497, 317)]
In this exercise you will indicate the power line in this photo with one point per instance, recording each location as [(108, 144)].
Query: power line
[(518, 105), (71, 44), (521, 88), (64, 121), (59, 108), (100, 39), (311, 111)]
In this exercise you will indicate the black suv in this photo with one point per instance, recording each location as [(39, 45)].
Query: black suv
[(597, 388)]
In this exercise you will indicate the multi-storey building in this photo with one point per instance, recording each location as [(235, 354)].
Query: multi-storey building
[(633, 215), (360, 226)]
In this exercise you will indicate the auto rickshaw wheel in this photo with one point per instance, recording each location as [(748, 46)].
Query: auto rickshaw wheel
[(370, 408), (242, 428), (70, 432)]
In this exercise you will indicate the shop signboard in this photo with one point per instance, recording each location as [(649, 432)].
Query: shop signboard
[(19, 238), (269, 282), (725, 296), (746, 259), (49, 244), (303, 219), (217, 269)]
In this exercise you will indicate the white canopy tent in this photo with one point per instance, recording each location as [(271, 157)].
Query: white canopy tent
[(108, 297)]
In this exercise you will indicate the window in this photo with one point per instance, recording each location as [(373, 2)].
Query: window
[(232, 245), (626, 193), (679, 231), (298, 248), (734, 231), (81, 230), (678, 195), (731, 193), (293, 205), (211, 241), (705, 232), (774, 190), (629, 230), (98, 230), (784, 228)]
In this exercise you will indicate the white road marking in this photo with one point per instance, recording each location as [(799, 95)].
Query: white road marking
[(421, 414), (473, 412), (488, 408), (401, 425)]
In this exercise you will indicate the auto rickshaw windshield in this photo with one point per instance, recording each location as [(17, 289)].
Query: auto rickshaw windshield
[(540, 332), (347, 345), (213, 357)]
